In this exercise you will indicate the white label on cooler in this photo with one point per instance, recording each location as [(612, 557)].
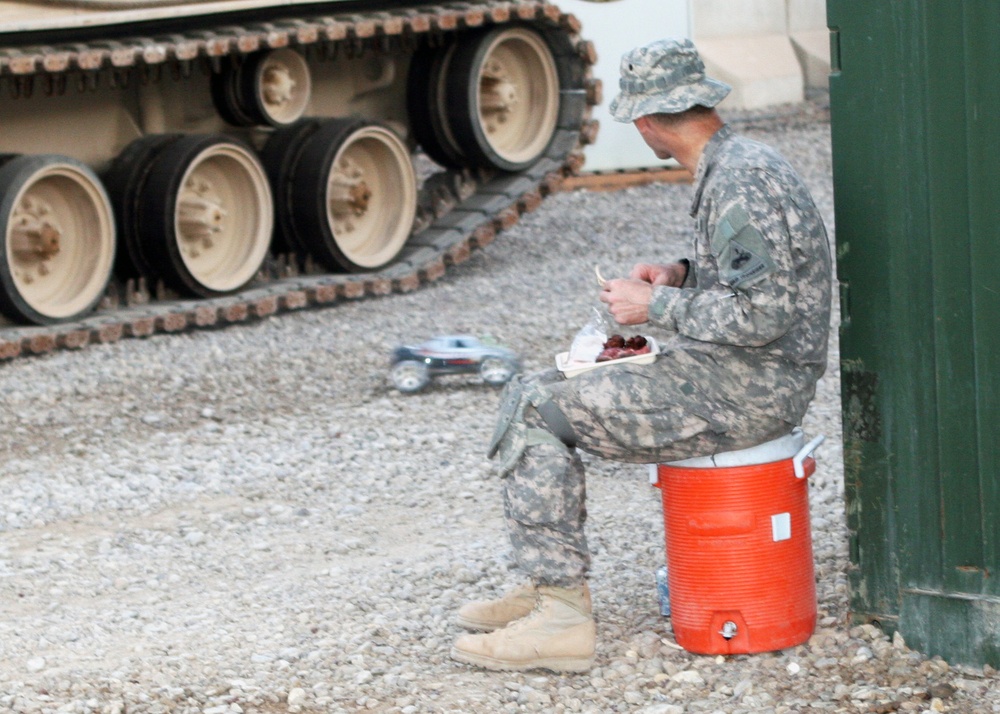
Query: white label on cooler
[(781, 526)]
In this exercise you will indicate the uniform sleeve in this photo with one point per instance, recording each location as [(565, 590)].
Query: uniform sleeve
[(753, 302)]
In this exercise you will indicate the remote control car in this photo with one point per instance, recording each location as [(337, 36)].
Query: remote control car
[(414, 366)]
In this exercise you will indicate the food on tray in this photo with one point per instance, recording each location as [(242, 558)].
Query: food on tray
[(616, 350), (617, 347)]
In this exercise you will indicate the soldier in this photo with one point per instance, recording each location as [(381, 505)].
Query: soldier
[(749, 317)]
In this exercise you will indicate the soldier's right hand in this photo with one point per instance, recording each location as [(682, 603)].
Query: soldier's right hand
[(672, 274)]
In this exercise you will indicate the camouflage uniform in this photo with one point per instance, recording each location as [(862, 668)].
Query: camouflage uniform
[(748, 341)]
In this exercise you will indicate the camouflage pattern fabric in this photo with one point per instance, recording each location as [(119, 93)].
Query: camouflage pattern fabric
[(665, 76), (748, 341), (769, 328)]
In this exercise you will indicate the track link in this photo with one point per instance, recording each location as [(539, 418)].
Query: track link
[(458, 212)]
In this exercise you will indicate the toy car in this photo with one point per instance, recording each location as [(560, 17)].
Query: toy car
[(413, 366)]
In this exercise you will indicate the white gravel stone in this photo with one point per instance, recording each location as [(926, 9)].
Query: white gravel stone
[(662, 709), (251, 519), (688, 676), (35, 664)]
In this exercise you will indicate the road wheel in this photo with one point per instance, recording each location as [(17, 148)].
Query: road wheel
[(206, 215), (353, 195), (504, 86), (280, 156), (59, 239), (428, 106), (496, 371), (268, 88), (410, 376), (124, 180)]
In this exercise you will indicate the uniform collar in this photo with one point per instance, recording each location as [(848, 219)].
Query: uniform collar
[(705, 163)]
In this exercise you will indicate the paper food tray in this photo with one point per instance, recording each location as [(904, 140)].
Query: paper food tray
[(572, 370)]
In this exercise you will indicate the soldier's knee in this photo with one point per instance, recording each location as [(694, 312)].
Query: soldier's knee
[(526, 419)]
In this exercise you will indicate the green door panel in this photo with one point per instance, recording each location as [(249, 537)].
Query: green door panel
[(915, 108)]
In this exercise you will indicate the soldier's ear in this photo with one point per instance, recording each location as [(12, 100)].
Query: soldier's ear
[(647, 127)]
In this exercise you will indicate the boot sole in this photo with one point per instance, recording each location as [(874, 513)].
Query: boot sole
[(554, 664)]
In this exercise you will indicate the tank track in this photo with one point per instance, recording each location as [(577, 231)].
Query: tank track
[(458, 211)]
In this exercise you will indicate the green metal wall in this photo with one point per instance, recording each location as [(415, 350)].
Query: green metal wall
[(915, 101)]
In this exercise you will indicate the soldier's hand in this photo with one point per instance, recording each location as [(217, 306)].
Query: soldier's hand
[(627, 300), (671, 274)]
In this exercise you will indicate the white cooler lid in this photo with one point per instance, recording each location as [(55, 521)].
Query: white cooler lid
[(784, 447)]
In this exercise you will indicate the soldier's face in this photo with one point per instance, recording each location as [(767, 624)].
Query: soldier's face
[(655, 139)]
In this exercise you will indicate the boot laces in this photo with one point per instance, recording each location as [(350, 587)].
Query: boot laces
[(527, 620)]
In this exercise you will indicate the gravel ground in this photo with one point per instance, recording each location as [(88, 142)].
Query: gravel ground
[(253, 520)]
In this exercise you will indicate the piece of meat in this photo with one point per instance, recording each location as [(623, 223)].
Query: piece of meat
[(617, 347), (636, 342), (610, 353)]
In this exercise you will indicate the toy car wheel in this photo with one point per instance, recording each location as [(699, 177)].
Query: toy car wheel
[(496, 371), (410, 376)]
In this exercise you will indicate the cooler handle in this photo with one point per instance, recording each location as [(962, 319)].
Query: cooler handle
[(803, 453)]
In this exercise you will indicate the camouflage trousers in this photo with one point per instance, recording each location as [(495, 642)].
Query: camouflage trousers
[(630, 413)]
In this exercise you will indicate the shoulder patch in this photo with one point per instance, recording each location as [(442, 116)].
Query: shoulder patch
[(741, 250), (735, 220)]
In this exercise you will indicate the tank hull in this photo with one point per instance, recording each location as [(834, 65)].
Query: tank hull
[(70, 15), (124, 85)]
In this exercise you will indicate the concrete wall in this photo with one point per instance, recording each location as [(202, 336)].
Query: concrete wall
[(806, 15), (811, 40), (615, 28), (770, 51), (738, 18)]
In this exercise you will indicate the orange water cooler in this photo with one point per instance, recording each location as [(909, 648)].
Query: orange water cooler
[(739, 547)]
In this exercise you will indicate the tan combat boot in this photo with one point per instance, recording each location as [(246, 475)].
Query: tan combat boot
[(558, 635), (489, 615)]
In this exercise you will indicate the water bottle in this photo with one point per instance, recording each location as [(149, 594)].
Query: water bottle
[(663, 590)]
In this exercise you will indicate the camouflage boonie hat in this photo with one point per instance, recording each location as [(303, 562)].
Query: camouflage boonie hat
[(664, 76)]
